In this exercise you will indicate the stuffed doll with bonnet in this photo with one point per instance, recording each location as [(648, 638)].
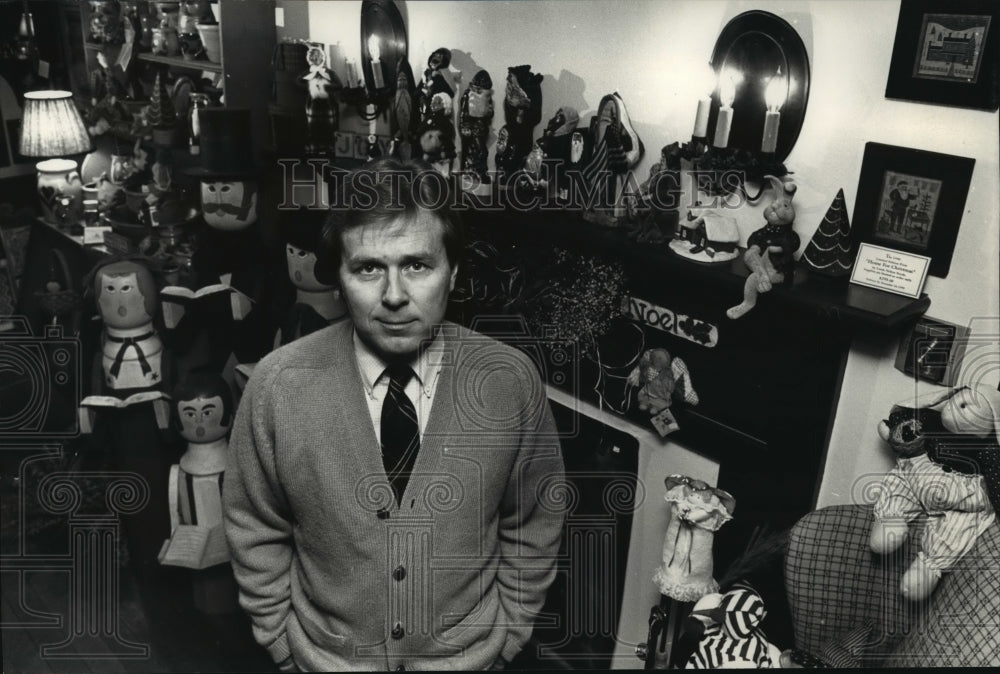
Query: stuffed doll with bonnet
[(944, 444), (697, 511)]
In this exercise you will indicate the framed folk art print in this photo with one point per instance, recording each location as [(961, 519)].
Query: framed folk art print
[(946, 53), (912, 200)]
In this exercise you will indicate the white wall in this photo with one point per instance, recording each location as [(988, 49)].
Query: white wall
[(648, 50)]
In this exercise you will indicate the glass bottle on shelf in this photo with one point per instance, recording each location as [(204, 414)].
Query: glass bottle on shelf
[(198, 102)]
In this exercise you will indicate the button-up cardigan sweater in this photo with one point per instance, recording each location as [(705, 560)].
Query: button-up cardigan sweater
[(318, 539)]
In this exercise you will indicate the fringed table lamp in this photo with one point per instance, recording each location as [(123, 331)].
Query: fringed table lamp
[(52, 127)]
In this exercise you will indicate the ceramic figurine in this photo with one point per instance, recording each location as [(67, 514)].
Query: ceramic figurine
[(556, 144), (434, 135), (770, 249), (571, 185), (617, 149), (475, 120), (322, 112), (126, 411), (506, 160), (522, 109), (317, 302), (708, 236), (435, 84), (403, 113)]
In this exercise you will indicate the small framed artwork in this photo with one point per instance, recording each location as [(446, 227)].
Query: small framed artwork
[(946, 53), (912, 200)]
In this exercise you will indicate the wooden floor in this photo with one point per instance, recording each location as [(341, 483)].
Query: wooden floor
[(156, 626)]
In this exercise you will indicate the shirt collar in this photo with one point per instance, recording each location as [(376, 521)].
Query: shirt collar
[(426, 366)]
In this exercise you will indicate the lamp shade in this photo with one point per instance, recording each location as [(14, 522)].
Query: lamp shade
[(52, 126)]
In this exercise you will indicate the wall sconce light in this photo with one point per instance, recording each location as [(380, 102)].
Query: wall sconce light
[(52, 127)]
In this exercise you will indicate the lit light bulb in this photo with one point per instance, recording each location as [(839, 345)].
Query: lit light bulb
[(728, 81), (776, 92)]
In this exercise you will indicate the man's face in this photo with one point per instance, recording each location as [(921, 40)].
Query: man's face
[(201, 419), (396, 279)]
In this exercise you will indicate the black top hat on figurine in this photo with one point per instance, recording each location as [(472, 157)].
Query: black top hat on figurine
[(228, 171), (226, 141)]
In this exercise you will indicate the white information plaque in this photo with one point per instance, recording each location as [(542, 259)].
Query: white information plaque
[(890, 270)]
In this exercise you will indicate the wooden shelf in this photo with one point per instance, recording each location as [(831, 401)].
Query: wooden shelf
[(179, 62)]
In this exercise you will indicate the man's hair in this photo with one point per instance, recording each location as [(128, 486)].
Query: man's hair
[(387, 191)]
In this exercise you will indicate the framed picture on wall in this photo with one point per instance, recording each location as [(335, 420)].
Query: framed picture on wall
[(946, 53), (912, 200)]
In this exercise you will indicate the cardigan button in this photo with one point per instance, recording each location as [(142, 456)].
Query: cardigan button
[(399, 573), (382, 514), (397, 631), (400, 668)]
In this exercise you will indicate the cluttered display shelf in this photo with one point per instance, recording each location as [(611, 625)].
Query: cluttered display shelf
[(835, 300)]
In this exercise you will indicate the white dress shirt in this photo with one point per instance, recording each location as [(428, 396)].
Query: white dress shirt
[(420, 389)]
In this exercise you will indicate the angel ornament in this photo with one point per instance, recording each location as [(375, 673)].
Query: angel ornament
[(661, 380)]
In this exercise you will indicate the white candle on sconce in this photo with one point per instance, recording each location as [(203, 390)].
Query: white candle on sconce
[(352, 73), (706, 79), (373, 122), (724, 122), (774, 97), (376, 54)]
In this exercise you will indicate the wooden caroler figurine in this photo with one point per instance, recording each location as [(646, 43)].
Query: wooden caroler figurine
[(475, 119), (127, 409), (770, 249), (203, 411), (316, 302), (219, 319)]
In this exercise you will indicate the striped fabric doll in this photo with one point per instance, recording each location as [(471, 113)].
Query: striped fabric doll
[(732, 637)]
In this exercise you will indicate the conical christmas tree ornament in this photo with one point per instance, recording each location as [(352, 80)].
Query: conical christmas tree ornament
[(829, 251)]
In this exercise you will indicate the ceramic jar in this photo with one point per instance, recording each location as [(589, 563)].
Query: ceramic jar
[(60, 190)]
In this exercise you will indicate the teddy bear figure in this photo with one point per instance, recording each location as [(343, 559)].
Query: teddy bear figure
[(661, 380), (731, 637), (770, 248), (937, 474)]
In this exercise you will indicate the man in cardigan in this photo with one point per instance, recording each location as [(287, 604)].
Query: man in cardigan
[(388, 496)]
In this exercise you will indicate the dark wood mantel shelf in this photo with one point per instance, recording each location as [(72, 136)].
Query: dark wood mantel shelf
[(835, 300)]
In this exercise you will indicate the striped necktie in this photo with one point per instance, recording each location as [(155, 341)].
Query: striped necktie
[(400, 430)]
